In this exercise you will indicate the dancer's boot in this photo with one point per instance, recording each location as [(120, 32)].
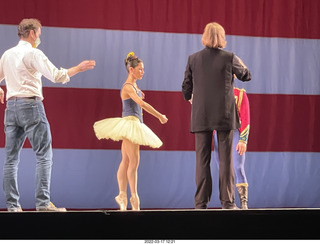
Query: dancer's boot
[(243, 195)]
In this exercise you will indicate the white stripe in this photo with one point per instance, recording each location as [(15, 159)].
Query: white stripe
[(278, 65), (86, 179)]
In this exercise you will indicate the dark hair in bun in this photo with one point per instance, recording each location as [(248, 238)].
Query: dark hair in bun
[(131, 61)]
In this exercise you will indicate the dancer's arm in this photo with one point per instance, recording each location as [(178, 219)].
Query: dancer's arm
[(129, 90), (147, 107)]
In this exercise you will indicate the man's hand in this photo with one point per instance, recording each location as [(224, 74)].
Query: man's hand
[(190, 101), (241, 147), (86, 65), (1, 96), (83, 66)]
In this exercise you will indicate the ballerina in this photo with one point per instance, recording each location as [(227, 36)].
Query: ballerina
[(131, 130)]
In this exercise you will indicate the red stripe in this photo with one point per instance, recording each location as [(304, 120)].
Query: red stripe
[(284, 123), (278, 122), (267, 18)]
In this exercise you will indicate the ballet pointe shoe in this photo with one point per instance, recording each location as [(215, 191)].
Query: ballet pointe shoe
[(122, 201), (135, 203)]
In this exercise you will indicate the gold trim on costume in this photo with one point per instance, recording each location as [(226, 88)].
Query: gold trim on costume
[(245, 134), (242, 184), (239, 99)]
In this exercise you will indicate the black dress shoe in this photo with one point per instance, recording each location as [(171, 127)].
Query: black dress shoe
[(230, 207)]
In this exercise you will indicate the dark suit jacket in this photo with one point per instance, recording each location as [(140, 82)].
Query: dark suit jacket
[(209, 78)]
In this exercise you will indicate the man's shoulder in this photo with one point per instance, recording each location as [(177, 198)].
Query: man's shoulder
[(9, 53), (34, 53), (226, 53), (10, 50), (23, 49), (196, 54), (206, 50)]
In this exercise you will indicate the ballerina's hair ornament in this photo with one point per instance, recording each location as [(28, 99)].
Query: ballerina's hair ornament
[(131, 61), (130, 54)]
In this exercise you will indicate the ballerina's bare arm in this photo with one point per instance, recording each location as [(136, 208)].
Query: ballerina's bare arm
[(129, 91)]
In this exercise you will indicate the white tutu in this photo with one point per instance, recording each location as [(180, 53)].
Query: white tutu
[(128, 127)]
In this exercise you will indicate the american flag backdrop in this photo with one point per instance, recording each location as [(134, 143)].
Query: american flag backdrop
[(279, 41)]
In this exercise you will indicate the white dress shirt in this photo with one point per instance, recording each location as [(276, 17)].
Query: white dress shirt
[(22, 67)]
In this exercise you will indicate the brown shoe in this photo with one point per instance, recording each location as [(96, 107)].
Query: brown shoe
[(50, 208)]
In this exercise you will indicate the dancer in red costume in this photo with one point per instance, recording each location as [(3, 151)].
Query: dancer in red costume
[(240, 140)]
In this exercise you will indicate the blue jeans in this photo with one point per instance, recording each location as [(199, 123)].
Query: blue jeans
[(27, 118)]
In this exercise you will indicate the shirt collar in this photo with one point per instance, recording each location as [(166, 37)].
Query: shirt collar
[(25, 43)]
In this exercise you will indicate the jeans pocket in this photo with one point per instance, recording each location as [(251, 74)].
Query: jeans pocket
[(29, 115), (9, 117)]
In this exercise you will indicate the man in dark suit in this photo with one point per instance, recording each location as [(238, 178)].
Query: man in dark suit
[(208, 85)]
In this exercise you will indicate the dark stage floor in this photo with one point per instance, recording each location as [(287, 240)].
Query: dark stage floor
[(182, 224)]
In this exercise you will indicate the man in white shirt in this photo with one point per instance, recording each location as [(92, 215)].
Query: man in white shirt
[(22, 67)]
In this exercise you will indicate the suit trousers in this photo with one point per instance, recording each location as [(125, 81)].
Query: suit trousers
[(203, 144)]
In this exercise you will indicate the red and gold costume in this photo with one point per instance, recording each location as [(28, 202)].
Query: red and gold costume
[(239, 135), (243, 109)]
